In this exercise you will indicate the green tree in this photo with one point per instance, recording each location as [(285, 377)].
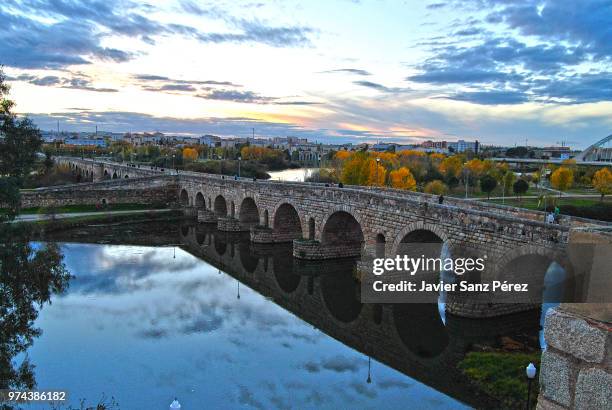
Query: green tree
[(520, 187), (488, 184), (21, 139)]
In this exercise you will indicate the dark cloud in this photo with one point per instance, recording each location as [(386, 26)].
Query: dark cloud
[(247, 398), (235, 96), (297, 103), (586, 23), (77, 81), (340, 364), (152, 77), (355, 71), (380, 87), (435, 6), (75, 34), (363, 390), (547, 66), (28, 43), (312, 367), (393, 383), (258, 32), (171, 87), (491, 97)]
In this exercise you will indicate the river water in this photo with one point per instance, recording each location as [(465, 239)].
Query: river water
[(295, 175), (154, 312)]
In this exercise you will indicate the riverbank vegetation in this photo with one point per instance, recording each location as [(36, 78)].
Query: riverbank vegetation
[(502, 376)]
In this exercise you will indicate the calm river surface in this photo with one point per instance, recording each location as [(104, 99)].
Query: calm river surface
[(154, 312)]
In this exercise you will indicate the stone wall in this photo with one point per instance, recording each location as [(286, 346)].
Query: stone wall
[(150, 190), (576, 369)]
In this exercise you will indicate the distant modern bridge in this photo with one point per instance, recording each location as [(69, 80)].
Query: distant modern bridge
[(328, 222)]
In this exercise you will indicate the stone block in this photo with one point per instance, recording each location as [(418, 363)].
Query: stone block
[(555, 378), (544, 404), (593, 389), (574, 335)]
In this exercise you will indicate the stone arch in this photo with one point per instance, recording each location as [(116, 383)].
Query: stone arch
[(249, 213), (248, 259), (431, 338), (419, 226), (340, 296), (286, 224), (341, 229), (126, 176), (115, 176), (286, 279), (184, 197), (549, 274), (200, 201), (220, 206)]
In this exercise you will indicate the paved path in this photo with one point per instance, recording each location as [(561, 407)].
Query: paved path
[(41, 217)]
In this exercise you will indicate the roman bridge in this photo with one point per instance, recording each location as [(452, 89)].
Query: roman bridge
[(329, 222), (326, 222)]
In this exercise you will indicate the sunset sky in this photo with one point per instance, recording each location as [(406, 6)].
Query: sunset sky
[(498, 71)]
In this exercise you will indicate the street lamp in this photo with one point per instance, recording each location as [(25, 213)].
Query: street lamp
[(173, 155), (239, 161), (531, 371), (377, 165), (369, 379)]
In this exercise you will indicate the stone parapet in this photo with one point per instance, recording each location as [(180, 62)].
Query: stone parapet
[(577, 364)]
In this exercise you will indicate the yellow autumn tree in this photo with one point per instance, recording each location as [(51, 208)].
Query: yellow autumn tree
[(342, 155), (602, 182), (190, 154), (356, 170), (562, 178), (402, 178), (436, 187), (475, 167), (376, 173), (451, 166)]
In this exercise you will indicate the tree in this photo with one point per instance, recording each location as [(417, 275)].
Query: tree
[(508, 180), (21, 138), (190, 154), (602, 182), (520, 187), (402, 178), (488, 184), (451, 166), (376, 173), (475, 167), (436, 187), (562, 178)]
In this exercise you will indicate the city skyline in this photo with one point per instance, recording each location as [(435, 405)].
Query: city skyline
[(348, 71)]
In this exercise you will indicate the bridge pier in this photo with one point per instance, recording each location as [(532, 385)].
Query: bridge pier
[(229, 225), (315, 250), (206, 216)]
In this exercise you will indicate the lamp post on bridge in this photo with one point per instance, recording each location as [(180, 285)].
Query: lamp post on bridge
[(377, 165), (531, 371), (239, 161)]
